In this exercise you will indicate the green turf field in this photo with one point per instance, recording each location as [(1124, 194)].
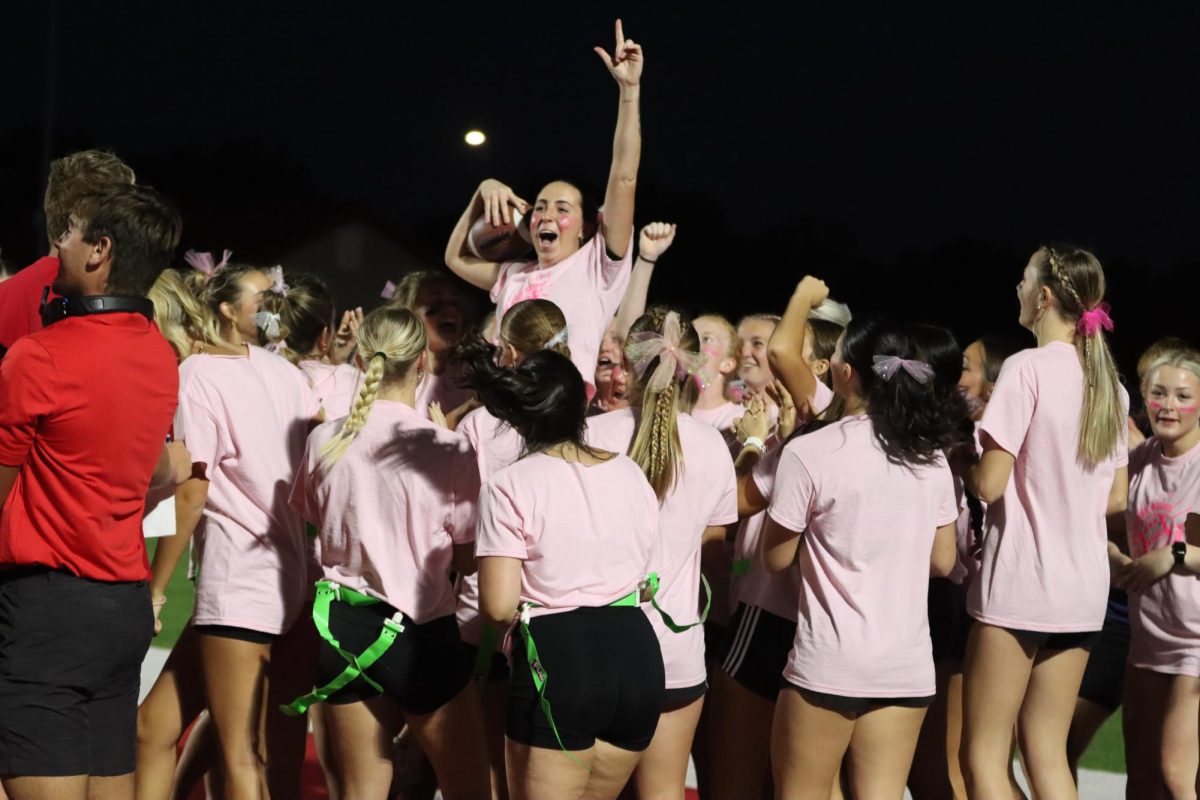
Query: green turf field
[(1107, 752)]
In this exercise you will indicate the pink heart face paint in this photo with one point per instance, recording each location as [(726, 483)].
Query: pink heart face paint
[(564, 222)]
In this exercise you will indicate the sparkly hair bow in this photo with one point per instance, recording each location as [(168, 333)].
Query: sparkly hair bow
[(275, 273), (389, 289), (1090, 322), (204, 264), (268, 323), (886, 366), (673, 361)]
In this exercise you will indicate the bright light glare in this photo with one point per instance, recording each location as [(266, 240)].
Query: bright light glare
[(475, 138)]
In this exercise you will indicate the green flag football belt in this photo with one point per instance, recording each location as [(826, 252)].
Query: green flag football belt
[(356, 664), (649, 586)]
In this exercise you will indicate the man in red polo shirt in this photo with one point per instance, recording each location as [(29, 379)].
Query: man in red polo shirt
[(71, 177), (85, 406)]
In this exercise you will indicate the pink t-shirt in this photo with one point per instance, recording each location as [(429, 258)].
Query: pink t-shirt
[(754, 585), (704, 494), (587, 286), (336, 386), (722, 417), (778, 593), (1165, 618), (442, 389), (496, 446), (247, 419), (1045, 544), (587, 534), (868, 526), (392, 507)]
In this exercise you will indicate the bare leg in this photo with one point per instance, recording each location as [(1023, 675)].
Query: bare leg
[(113, 787), (234, 681), (535, 773), (71, 787), (662, 772), (291, 674), (807, 746), (1180, 756), (175, 700), (200, 761), (361, 735), (493, 699), (740, 739), (1045, 720), (935, 764), (453, 740), (611, 770), (996, 675), (323, 743), (1088, 718), (881, 749)]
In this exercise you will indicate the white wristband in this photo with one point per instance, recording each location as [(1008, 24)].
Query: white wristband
[(755, 442)]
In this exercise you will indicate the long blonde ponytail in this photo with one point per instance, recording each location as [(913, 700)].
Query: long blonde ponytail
[(390, 340), (1076, 279), (656, 448)]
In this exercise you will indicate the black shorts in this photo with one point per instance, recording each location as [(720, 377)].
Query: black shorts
[(1104, 678), (1046, 640), (424, 669), (604, 680), (949, 622), (497, 666), (71, 652), (756, 649), (240, 634), (683, 696), (858, 705)]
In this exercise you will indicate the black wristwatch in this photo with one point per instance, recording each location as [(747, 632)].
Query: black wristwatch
[(1179, 550)]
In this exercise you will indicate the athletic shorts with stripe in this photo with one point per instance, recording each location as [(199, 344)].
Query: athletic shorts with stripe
[(756, 648)]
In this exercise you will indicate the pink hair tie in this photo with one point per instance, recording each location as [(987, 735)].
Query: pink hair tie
[(389, 289), (887, 366), (673, 361), (1090, 322), (203, 262)]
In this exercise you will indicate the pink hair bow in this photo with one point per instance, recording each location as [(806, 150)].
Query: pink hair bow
[(275, 273), (203, 262), (389, 289), (887, 366), (673, 361), (1090, 322)]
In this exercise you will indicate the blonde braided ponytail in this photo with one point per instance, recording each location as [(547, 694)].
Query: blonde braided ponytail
[(390, 341), (1076, 279), (656, 447)]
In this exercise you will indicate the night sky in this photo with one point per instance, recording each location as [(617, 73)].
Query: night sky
[(912, 154)]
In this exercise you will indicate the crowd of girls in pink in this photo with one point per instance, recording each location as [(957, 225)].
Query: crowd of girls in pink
[(576, 547)]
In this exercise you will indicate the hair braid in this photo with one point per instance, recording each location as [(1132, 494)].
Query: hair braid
[(655, 447), (1076, 279), (337, 446)]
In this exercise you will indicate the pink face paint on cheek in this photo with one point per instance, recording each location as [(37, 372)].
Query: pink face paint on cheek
[(1154, 404), (1186, 409), (564, 221), (535, 220)]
